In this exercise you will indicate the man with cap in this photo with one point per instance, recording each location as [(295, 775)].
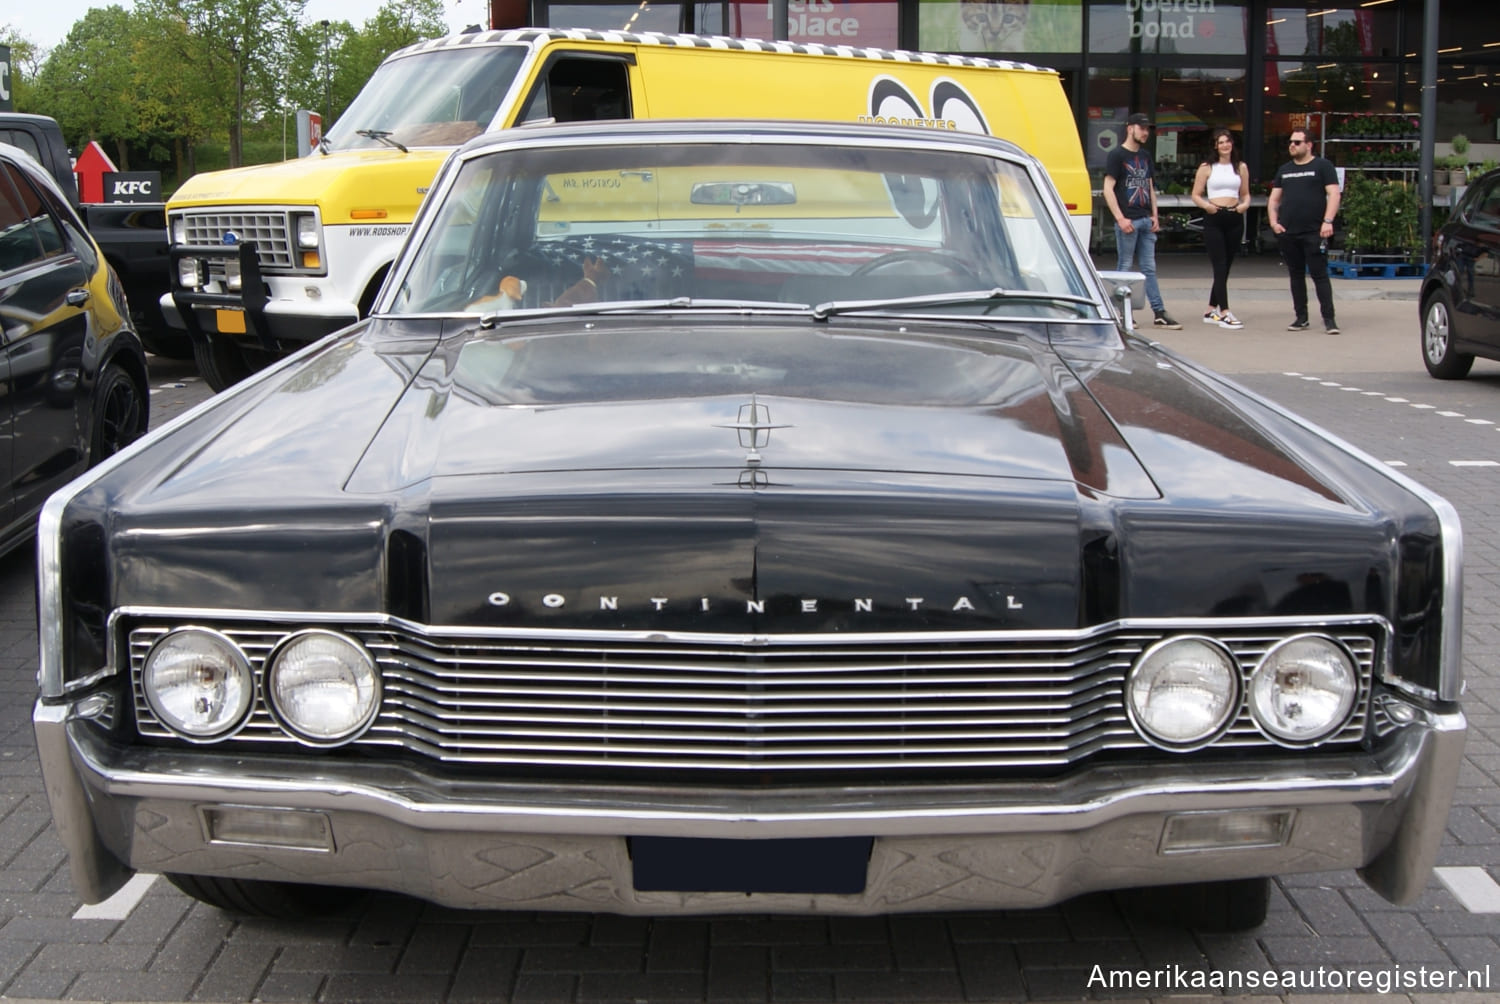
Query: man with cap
[(1130, 193)]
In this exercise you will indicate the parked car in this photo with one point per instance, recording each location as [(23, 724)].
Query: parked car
[(131, 235), (1461, 293), (721, 517), (75, 374)]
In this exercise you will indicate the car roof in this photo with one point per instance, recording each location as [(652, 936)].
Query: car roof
[(528, 36)]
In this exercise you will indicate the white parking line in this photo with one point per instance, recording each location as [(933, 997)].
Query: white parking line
[(1424, 406), (1471, 886), (1396, 400), (1478, 421), (1451, 414), (1475, 463), (1395, 463), (118, 906)]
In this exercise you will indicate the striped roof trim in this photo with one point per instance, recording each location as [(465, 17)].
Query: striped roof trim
[(528, 35)]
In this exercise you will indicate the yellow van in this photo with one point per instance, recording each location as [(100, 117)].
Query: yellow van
[(268, 258)]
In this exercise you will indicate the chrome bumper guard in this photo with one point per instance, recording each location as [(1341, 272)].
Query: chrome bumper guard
[(938, 846)]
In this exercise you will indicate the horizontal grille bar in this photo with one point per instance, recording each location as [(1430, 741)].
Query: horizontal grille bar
[(788, 707)]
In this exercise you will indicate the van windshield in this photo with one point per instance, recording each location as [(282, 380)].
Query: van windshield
[(440, 97)]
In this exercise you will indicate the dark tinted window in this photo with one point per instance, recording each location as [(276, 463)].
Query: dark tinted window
[(35, 206), (1485, 211), (19, 243), (23, 139)]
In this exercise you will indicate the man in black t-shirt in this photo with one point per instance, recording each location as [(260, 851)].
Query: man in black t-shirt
[(1304, 200), (1130, 193)]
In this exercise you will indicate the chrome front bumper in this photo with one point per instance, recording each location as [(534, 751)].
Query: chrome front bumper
[(536, 846)]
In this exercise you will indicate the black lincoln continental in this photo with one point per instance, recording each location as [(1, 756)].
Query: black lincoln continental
[(724, 517)]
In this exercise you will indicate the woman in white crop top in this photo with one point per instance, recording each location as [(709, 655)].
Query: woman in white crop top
[(1222, 191)]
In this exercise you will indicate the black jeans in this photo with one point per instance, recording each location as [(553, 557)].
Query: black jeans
[(1302, 257), (1222, 233)]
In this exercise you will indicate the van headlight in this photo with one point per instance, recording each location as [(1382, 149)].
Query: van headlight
[(323, 687), (1303, 690), (1183, 692), (307, 230), (198, 683)]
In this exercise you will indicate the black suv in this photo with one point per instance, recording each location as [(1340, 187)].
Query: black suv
[(1461, 294), (72, 371)]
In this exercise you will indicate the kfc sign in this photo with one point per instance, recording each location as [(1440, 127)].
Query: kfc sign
[(132, 186)]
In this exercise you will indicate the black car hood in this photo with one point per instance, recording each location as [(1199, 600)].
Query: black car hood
[(735, 477)]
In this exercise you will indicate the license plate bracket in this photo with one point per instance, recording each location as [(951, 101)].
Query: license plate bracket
[(806, 865)]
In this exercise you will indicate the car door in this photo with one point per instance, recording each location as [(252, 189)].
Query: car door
[(45, 324), (1480, 258)]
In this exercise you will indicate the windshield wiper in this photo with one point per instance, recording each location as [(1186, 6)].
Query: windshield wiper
[(384, 136), (823, 311), (634, 306), (324, 147)]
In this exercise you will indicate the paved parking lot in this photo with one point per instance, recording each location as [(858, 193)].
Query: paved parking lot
[(1326, 929)]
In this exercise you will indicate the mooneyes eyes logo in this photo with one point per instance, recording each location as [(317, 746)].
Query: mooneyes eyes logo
[(949, 106)]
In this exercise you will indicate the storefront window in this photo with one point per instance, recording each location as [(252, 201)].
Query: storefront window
[(1200, 28), (1466, 30), (617, 16), (1346, 29), (873, 23), (985, 27), (1468, 102)]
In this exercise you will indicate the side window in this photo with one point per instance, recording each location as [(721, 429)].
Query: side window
[(1486, 207), (19, 244), (581, 89), (23, 139), (35, 208)]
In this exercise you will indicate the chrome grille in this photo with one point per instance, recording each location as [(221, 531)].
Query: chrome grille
[(269, 231), (990, 703)]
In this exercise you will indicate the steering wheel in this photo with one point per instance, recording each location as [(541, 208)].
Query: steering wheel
[(949, 262)]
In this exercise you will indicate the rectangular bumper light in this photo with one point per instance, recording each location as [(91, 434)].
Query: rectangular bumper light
[(1218, 831), (292, 829)]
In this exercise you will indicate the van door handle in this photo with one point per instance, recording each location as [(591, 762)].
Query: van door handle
[(77, 297)]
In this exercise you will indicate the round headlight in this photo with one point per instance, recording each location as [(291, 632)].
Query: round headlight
[(323, 687), (198, 683), (1303, 690), (1182, 693)]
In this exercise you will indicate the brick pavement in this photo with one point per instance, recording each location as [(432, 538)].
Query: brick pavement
[(389, 948)]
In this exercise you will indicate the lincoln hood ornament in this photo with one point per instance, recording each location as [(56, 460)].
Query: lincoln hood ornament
[(754, 426)]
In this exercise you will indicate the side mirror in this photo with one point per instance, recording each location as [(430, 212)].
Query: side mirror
[(1127, 291)]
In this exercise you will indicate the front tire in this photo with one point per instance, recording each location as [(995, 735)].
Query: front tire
[(1228, 906), (1438, 353), (221, 362), (120, 414), (259, 898)]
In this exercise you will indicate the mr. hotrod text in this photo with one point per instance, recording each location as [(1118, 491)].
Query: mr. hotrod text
[(860, 605)]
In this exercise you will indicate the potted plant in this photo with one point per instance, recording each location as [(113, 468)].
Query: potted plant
[(1458, 164)]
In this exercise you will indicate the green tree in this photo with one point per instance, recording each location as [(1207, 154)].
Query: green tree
[(236, 48), (88, 83), (25, 64)]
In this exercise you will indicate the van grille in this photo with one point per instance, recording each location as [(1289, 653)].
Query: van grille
[(269, 231), (785, 707)]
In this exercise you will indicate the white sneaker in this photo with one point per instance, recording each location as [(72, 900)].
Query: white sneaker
[(1228, 320), (1213, 316)]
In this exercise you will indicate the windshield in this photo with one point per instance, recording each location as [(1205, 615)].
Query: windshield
[(791, 225), (439, 97)]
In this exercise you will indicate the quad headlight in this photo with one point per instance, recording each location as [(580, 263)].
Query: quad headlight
[(323, 687), (198, 683), (1183, 692), (1303, 690)]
